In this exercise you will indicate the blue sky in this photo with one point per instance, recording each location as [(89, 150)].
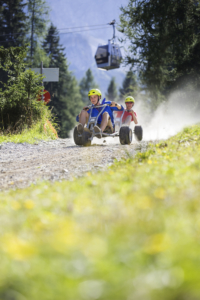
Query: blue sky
[(85, 12)]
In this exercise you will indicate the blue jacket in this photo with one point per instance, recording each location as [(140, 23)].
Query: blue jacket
[(110, 111)]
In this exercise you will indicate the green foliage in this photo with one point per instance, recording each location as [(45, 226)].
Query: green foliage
[(52, 47), (18, 100), (12, 23), (12, 27), (129, 233), (164, 43), (71, 105), (37, 19), (39, 56), (144, 156), (129, 86), (112, 90), (86, 84), (30, 20), (65, 97), (39, 131), (20, 90)]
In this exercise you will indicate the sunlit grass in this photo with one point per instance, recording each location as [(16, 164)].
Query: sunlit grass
[(42, 130), (130, 233)]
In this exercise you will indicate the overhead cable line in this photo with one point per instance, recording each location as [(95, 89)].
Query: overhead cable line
[(59, 32), (81, 27), (83, 30), (69, 28)]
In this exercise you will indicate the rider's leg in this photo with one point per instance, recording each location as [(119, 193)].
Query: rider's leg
[(103, 125), (128, 120), (110, 125), (83, 118), (104, 121)]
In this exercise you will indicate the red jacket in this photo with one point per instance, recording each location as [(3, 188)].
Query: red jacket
[(126, 114)]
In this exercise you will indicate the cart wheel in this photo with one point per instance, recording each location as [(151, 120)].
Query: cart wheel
[(125, 135), (138, 131), (85, 138), (77, 138)]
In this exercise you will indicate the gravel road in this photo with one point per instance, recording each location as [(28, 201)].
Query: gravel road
[(23, 164)]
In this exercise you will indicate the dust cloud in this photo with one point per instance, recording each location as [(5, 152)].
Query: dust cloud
[(170, 117)]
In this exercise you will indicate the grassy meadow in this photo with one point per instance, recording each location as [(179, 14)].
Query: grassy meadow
[(42, 130), (130, 233)]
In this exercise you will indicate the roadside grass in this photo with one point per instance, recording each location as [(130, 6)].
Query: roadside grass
[(42, 130), (130, 233)]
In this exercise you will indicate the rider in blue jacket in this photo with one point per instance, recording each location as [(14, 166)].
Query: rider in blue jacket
[(105, 120)]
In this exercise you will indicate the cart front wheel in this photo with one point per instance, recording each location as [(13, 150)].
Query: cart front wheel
[(85, 138), (77, 137), (125, 135)]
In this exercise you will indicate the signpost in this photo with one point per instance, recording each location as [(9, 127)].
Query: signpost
[(51, 75)]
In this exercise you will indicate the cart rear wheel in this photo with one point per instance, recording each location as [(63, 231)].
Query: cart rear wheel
[(125, 135), (85, 138), (138, 131), (77, 138)]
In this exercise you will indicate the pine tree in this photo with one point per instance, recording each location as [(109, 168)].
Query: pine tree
[(87, 83), (164, 42), (38, 17), (65, 97), (13, 27), (39, 56), (112, 90), (129, 85)]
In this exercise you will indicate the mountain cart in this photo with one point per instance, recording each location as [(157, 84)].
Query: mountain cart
[(124, 132)]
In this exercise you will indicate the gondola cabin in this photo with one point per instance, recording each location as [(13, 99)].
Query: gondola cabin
[(108, 57)]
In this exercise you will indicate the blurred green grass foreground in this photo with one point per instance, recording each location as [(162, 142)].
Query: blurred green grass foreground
[(130, 233)]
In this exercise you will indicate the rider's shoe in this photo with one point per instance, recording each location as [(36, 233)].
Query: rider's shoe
[(80, 128), (98, 130)]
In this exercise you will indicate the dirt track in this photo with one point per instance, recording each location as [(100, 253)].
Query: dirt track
[(23, 164)]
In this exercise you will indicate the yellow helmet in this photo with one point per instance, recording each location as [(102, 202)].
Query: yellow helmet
[(129, 99), (94, 92)]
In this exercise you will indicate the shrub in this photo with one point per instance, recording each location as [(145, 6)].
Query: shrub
[(19, 107)]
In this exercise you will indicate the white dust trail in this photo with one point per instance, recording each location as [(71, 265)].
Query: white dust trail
[(168, 119)]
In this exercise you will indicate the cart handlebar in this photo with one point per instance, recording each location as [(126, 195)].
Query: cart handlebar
[(96, 106)]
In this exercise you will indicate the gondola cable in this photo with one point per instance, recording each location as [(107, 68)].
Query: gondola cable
[(69, 28)]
